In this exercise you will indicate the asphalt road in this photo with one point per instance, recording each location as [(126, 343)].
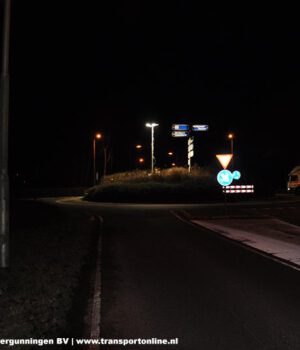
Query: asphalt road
[(286, 208), (162, 278)]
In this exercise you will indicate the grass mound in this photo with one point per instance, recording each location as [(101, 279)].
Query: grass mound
[(169, 185)]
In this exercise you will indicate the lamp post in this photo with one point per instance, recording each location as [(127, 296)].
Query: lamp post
[(231, 137), (96, 137), (152, 126), (4, 117)]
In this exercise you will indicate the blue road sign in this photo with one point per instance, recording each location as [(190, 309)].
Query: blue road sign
[(225, 177), (180, 127), (236, 175), (200, 127)]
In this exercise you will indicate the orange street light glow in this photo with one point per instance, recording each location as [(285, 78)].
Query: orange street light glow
[(173, 164), (138, 146), (98, 136), (141, 160), (230, 136), (170, 153)]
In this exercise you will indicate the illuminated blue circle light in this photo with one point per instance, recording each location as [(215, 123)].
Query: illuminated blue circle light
[(236, 175), (225, 177)]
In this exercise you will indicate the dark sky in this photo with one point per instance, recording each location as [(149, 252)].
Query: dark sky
[(80, 67)]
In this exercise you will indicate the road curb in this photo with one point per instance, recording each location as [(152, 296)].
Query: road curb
[(276, 259)]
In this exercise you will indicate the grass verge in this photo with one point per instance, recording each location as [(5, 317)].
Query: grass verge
[(50, 257)]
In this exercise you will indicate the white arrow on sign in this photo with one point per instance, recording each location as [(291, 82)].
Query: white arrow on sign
[(190, 140), (190, 154), (191, 147)]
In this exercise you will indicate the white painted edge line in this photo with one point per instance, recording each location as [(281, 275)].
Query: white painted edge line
[(239, 243), (96, 302)]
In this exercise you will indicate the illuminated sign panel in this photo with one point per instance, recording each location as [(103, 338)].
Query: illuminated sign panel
[(236, 175), (180, 127), (200, 127), (224, 159), (225, 177), (180, 133)]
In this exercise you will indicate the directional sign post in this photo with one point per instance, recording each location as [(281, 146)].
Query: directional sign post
[(190, 152), (185, 130)]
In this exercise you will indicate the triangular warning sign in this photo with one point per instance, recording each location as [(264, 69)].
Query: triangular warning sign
[(224, 159)]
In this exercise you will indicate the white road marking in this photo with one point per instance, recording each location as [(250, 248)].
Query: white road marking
[(96, 303)]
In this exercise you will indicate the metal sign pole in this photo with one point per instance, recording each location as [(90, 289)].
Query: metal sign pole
[(189, 159), (225, 203), (4, 116)]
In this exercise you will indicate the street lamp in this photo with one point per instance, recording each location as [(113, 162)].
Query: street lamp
[(231, 137), (170, 153), (138, 146), (152, 126), (96, 137)]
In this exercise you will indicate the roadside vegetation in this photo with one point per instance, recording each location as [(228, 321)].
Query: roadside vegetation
[(40, 294), (164, 186)]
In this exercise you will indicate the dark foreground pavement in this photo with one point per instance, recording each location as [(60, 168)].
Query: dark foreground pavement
[(162, 278)]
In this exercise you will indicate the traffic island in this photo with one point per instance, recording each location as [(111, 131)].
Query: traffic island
[(175, 185)]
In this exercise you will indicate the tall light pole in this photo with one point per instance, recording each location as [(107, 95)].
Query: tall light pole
[(152, 126), (4, 116), (96, 137), (231, 137)]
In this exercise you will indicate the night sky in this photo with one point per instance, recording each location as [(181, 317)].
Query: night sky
[(81, 67)]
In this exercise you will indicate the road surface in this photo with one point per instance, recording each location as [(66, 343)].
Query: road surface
[(163, 278)]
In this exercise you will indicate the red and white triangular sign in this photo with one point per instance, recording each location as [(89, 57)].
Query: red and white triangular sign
[(224, 159)]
